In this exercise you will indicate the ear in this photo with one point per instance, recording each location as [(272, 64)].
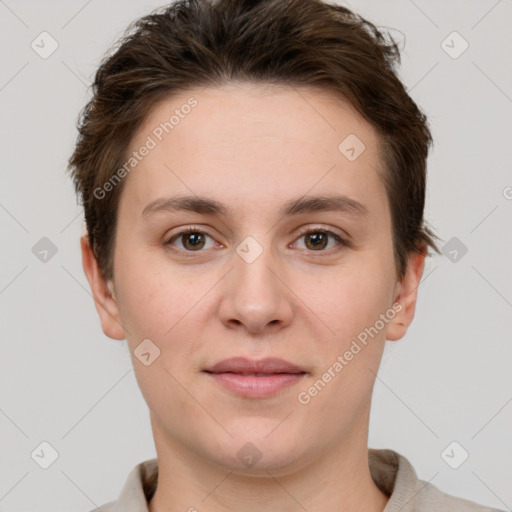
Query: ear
[(406, 295), (102, 292)]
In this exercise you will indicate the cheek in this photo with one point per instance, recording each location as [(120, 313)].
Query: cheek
[(159, 310), (151, 299), (347, 300), (166, 307), (350, 305)]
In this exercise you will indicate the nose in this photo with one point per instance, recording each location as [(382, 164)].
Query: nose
[(255, 297)]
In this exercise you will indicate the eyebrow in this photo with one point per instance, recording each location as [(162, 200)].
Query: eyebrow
[(305, 204)]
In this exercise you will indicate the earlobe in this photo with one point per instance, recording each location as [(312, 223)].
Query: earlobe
[(102, 292), (406, 296)]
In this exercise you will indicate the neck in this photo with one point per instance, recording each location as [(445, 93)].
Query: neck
[(338, 480)]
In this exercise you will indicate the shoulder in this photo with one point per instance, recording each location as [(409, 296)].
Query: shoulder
[(108, 507), (137, 490), (428, 497), (433, 498), (394, 475)]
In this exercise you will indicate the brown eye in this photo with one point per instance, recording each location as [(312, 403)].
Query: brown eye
[(192, 240), (318, 239)]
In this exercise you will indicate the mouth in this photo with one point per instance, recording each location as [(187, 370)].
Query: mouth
[(255, 378)]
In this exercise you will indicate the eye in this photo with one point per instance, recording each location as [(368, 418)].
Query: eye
[(318, 239), (192, 240)]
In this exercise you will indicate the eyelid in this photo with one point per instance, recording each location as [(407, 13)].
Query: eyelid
[(321, 227), (186, 230), (343, 240)]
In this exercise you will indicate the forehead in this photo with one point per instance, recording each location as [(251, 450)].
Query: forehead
[(254, 140), (236, 113)]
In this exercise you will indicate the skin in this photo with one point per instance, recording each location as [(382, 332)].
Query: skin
[(253, 148)]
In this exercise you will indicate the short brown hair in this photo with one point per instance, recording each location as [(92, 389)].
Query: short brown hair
[(287, 42)]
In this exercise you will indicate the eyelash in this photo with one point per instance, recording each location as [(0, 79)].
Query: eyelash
[(192, 229)]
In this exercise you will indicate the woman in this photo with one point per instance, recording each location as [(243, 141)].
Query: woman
[(253, 180)]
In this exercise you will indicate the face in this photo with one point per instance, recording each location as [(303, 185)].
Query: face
[(289, 255)]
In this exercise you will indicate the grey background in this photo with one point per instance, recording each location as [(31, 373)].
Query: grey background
[(64, 382)]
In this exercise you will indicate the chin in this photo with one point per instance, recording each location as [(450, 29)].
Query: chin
[(257, 449)]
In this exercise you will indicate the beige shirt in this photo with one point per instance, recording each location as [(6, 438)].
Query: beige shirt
[(392, 473)]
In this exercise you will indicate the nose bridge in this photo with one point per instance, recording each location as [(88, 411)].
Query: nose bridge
[(252, 262)]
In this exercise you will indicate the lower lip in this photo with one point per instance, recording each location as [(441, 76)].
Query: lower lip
[(255, 386)]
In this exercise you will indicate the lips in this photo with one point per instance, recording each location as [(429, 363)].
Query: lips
[(244, 366), (249, 378)]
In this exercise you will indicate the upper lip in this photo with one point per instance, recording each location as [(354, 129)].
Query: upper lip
[(243, 365)]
